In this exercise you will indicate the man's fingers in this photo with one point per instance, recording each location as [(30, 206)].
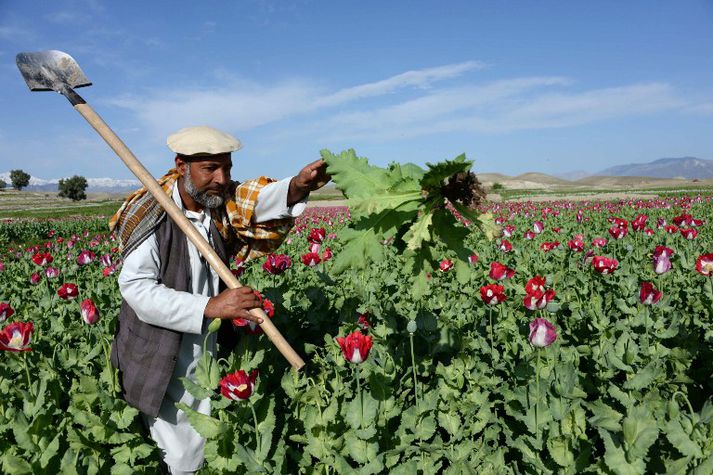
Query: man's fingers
[(246, 315)]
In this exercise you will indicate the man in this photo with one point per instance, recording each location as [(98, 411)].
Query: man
[(170, 294)]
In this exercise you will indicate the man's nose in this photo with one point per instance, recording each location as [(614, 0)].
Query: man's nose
[(221, 177)]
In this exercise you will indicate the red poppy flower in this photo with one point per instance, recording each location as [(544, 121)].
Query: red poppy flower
[(445, 265), (689, 233), (238, 386), (68, 292), (473, 259), (89, 311), (253, 328), (639, 223), (599, 242), (648, 294), (493, 294), (704, 265), (538, 300), (505, 245), (311, 259), (316, 235), (536, 285), (355, 346), (500, 271), (16, 336), (576, 245), (327, 254), (548, 246), (617, 232), (42, 258), (604, 265)]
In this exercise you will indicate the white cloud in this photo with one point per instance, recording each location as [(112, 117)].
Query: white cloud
[(244, 104), (438, 107)]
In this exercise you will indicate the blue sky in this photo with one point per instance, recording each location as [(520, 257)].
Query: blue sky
[(518, 86)]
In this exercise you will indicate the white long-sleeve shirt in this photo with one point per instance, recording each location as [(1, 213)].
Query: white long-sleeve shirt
[(156, 304)]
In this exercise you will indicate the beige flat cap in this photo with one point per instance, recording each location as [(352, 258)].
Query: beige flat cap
[(202, 140)]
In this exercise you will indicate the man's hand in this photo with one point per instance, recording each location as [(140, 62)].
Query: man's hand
[(312, 177), (233, 303)]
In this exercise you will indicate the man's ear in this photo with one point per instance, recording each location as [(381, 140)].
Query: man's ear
[(181, 165)]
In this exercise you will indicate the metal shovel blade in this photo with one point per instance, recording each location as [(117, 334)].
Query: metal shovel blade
[(51, 71)]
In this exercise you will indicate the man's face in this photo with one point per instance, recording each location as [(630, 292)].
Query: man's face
[(206, 178)]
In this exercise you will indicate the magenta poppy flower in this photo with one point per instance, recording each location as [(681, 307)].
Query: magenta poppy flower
[(536, 285), (542, 333), (355, 346), (648, 294), (238, 386), (6, 311), (538, 227), (85, 257), (704, 265), (661, 259), (51, 272), (276, 264), (35, 278), (16, 336), (500, 271), (493, 294), (473, 259), (529, 235), (327, 254)]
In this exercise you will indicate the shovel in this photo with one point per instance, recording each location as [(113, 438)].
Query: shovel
[(59, 72)]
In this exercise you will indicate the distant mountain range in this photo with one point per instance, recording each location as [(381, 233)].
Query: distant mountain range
[(682, 167), (94, 185)]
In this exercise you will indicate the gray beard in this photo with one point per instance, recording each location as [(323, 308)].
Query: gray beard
[(201, 197)]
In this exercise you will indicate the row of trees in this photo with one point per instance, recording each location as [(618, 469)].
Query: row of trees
[(72, 188)]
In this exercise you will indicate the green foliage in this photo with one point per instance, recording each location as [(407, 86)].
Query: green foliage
[(3, 185), (403, 203), (19, 179), (624, 388), (497, 187), (73, 188)]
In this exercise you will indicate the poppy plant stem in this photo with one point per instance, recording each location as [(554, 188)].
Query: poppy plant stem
[(27, 373), (537, 397), (361, 398), (413, 367), (257, 432), (492, 347)]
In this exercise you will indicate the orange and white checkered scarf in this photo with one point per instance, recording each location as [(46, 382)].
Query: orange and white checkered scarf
[(140, 214)]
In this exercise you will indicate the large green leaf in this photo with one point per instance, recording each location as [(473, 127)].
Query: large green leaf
[(206, 426), (640, 431), (437, 173), (679, 439)]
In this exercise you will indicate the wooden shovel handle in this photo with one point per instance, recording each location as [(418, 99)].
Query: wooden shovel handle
[(191, 232)]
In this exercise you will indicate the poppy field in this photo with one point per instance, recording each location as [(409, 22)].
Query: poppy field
[(578, 341)]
